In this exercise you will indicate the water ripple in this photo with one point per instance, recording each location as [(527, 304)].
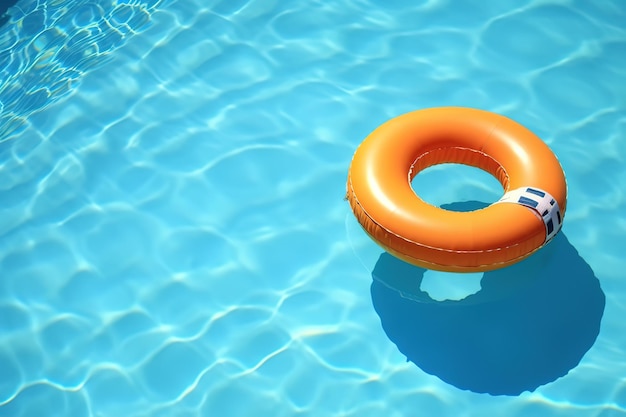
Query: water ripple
[(46, 48)]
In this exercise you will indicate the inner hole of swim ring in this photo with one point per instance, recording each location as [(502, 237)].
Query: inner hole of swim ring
[(457, 187)]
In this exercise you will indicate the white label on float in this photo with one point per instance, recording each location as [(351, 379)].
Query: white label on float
[(542, 203)]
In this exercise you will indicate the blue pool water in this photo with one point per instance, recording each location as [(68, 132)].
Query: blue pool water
[(174, 239)]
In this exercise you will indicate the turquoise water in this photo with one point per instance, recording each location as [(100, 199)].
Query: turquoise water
[(174, 239)]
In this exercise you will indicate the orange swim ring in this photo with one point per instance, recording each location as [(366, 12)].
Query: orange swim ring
[(529, 214)]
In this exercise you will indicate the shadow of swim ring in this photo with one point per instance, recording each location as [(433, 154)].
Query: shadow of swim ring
[(530, 324)]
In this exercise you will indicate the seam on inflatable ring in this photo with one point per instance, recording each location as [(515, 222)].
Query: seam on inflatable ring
[(421, 244), (509, 262)]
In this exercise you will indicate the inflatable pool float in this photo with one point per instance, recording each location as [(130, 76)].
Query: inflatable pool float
[(529, 214)]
